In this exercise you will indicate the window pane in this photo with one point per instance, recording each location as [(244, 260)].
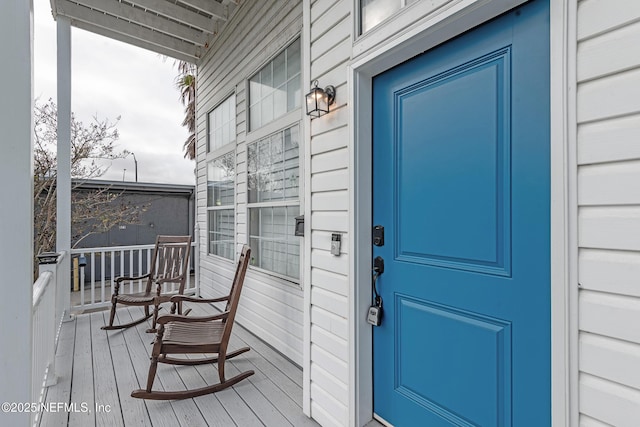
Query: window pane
[(254, 88), (217, 115), (210, 132), (267, 109), (274, 246), (222, 124), (252, 173), (279, 70), (266, 81), (273, 167), (221, 181), (373, 12), (294, 93), (293, 60), (275, 89), (221, 230), (254, 116), (280, 101), (293, 243)]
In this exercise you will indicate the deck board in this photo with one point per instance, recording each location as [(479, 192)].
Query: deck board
[(160, 413), (134, 411), (82, 379), (61, 392), (104, 378), (103, 367), (185, 410)]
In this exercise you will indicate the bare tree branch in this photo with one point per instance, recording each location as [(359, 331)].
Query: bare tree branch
[(92, 211)]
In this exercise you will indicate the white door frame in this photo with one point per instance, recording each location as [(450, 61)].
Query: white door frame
[(431, 32)]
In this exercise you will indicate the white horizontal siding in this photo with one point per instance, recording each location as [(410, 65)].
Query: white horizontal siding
[(586, 421), (608, 113), (610, 315), (271, 308), (610, 271), (610, 140), (609, 54), (612, 227), (330, 161), (608, 402), (612, 96), (606, 357), (609, 183), (329, 52), (329, 141), (597, 17)]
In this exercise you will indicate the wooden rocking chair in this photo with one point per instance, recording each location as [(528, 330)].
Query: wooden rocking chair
[(169, 264), (179, 334)]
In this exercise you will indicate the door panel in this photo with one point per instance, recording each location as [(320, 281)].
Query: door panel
[(483, 380), (469, 227), (461, 185)]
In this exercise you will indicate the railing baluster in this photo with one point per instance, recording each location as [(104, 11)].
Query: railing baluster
[(148, 260), (131, 270), (82, 282), (102, 267), (113, 270), (139, 270), (122, 270), (93, 277)]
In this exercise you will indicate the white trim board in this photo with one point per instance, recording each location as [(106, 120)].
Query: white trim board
[(430, 32)]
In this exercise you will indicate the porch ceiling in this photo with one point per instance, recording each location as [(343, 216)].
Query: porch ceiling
[(181, 29)]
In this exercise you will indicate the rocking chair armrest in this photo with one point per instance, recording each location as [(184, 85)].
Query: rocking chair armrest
[(168, 280), (179, 298), (190, 319), (121, 279)]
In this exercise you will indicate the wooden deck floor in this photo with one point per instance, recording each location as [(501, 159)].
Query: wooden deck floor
[(98, 370)]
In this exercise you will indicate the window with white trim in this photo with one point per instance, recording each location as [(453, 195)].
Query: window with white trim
[(221, 179), (273, 167), (222, 124), (275, 90)]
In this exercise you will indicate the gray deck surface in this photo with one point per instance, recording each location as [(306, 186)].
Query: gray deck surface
[(98, 369)]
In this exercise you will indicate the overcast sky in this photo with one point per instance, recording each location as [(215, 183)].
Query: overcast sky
[(111, 79)]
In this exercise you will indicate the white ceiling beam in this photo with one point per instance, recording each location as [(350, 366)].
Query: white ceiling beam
[(178, 13), (183, 56), (82, 14), (147, 19), (211, 7)]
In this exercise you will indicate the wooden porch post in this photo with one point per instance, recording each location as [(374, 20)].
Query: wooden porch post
[(16, 209), (63, 184)]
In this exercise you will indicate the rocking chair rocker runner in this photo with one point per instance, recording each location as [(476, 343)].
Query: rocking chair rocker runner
[(169, 264), (188, 335)]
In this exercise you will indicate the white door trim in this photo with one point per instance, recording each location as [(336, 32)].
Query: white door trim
[(432, 32)]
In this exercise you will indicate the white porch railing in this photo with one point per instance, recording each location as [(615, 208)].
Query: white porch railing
[(47, 316), (91, 283)]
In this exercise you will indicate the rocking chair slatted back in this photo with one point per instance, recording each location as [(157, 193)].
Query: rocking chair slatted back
[(170, 263), (234, 293)]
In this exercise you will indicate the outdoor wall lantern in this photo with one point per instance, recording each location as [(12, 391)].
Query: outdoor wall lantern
[(318, 100)]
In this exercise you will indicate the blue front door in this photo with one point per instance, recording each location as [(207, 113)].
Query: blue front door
[(461, 187)]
